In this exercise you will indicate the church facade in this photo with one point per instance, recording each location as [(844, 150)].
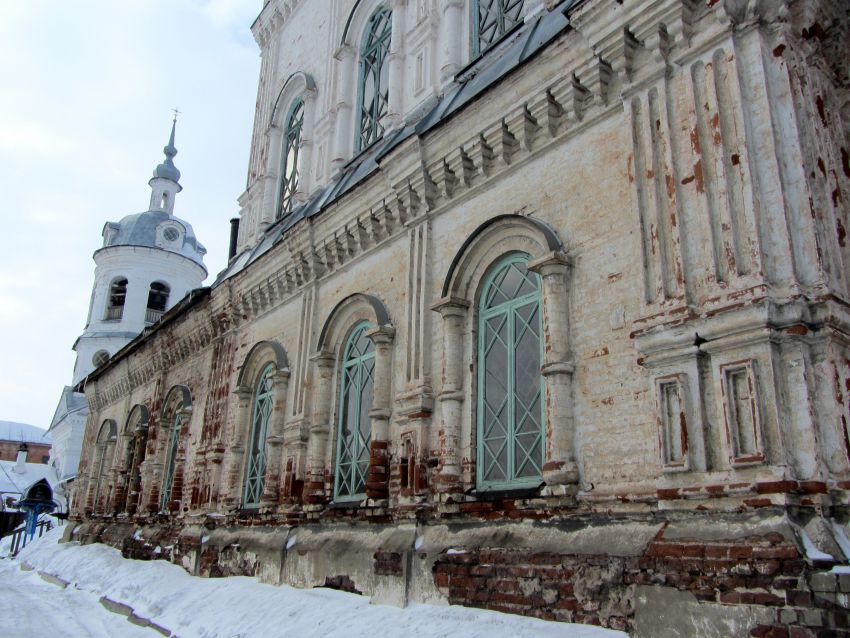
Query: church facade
[(535, 306)]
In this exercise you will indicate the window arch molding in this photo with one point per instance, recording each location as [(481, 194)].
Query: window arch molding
[(357, 312), (257, 441), (172, 424), (298, 87), (133, 443), (476, 260)]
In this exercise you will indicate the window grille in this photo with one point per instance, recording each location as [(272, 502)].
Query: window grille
[(170, 462), (255, 466), (354, 431), (374, 78), (510, 442), (491, 19)]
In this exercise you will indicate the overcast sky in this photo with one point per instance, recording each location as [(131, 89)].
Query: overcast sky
[(85, 109)]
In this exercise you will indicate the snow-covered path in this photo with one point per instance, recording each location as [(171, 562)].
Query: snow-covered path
[(30, 606), (235, 607)]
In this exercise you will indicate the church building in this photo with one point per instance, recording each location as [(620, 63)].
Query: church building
[(539, 306)]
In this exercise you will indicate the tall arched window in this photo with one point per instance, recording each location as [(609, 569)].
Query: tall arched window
[(105, 443), (289, 158), (491, 19), (374, 78), (354, 431), (510, 410), (157, 301), (170, 460), (117, 296), (135, 440), (255, 462)]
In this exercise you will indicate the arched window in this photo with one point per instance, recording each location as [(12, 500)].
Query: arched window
[(374, 78), (157, 301), (105, 441), (135, 440), (354, 431), (170, 460), (255, 463), (117, 296), (289, 158), (510, 441), (491, 19)]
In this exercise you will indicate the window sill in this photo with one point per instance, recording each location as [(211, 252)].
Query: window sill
[(498, 493)]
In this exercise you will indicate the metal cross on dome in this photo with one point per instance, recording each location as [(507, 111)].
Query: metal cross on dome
[(176, 113)]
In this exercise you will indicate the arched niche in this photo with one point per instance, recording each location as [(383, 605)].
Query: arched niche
[(357, 19), (138, 418), (260, 355), (495, 237), (299, 84), (178, 398), (348, 312)]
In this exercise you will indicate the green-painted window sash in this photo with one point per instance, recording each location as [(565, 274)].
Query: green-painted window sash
[(354, 428), (255, 462), (491, 19), (289, 152), (510, 428), (373, 102), (170, 462)]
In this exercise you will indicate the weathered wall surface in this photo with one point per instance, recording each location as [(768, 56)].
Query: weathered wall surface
[(675, 173)]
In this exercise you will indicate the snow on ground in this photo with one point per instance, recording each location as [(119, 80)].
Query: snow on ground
[(235, 607)]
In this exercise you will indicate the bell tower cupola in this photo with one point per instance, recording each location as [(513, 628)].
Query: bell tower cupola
[(165, 183)]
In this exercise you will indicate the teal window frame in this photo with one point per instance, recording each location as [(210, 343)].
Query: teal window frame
[(487, 418), (289, 152), (499, 16), (353, 440), (255, 459), (170, 461), (374, 68)]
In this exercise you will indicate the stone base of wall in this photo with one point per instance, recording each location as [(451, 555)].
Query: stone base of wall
[(657, 575)]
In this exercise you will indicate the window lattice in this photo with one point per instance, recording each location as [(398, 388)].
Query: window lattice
[(255, 467), (170, 462), (510, 410), (374, 78), (289, 159), (354, 432), (493, 19)]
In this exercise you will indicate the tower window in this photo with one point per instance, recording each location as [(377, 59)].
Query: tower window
[(157, 301), (289, 158), (117, 296)]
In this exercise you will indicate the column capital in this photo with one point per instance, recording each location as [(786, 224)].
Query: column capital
[(381, 335), (280, 376), (555, 262), (451, 307), (344, 51), (243, 392), (323, 359)]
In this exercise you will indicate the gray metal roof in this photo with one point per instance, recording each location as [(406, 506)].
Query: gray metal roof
[(140, 230)]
